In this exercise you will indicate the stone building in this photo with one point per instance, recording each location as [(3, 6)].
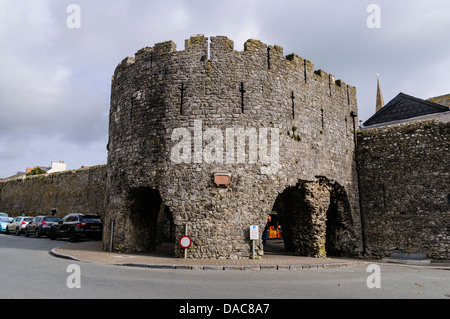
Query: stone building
[(404, 178), (212, 139), (405, 108), (209, 141), (405, 187)]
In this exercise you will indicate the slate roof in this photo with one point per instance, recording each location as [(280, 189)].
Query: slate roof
[(403, 107)]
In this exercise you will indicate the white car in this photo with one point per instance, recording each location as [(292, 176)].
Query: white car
[(17, 225)]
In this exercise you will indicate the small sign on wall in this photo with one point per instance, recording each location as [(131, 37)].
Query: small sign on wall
[(222, 179), (254, 232)]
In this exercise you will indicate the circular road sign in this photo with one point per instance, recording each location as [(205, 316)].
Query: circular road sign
[(185, 242)]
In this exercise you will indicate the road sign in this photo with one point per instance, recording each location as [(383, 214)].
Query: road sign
[(185, 242), (254, 232)]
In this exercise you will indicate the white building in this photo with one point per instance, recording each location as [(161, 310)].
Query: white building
[(57, 167)]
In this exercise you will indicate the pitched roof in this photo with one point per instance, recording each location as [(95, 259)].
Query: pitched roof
[(403, 107)]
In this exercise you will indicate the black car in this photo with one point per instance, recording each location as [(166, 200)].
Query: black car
[(78, 226), (40, 225)]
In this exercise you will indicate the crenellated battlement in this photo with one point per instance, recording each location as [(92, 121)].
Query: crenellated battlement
[(218, 51), (257, 118), (212, 81)]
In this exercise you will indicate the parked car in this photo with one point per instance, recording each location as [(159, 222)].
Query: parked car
[(3, 215), (17, 225), (78, 226), (4, 221), (41, 225)]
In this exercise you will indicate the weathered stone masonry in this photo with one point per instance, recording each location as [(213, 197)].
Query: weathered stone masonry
[(210, 86), (74, 191), (208, 91), (405, 189)]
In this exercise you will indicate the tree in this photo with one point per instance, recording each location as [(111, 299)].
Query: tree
[(36, 171)]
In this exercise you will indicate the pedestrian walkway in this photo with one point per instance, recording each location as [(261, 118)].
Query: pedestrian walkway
[(91, 251), (273, 259)]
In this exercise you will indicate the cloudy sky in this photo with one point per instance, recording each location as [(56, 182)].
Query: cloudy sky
[(55, 80)]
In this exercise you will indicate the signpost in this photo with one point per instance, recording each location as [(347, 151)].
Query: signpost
[(185, 241), (254, 235)]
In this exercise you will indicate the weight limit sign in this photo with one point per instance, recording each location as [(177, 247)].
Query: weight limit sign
[(185, 242)]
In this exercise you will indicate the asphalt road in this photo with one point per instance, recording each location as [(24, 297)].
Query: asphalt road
[(27, 270)]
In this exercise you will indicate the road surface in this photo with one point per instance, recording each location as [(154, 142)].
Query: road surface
[(27, 270)]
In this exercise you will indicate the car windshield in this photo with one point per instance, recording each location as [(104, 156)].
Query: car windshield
[(91, 219), (28, 219), (52, 219), (5, 219)]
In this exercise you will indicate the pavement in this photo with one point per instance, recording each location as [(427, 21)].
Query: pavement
[(275, 258)]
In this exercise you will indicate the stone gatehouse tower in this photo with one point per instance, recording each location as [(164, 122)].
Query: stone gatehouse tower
[(215, 138)]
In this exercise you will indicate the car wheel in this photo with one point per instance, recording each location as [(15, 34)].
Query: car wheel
[(72, 235), (17, 232), (37, 233), (52, 234), (7, 231), (27, 234)]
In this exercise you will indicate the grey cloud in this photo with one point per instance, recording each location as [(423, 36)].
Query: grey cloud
[(55, 81)]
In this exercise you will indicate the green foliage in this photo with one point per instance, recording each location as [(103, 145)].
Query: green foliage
[(36, 171), (293, 135)]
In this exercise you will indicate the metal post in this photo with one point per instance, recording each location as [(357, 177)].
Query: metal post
[(253, 249), (111, 239), (185, 233)]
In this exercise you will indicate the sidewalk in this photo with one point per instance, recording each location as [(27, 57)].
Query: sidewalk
[(274, 259)]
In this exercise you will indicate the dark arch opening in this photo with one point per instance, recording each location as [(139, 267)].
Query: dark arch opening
[(313, 218), (151, 220)]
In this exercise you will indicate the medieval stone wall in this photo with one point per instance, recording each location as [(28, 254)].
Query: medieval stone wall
[(178, 117), (284, 135), (74, 191), (405, 184)]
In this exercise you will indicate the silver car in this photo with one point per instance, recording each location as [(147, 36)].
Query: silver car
[(17, 225)]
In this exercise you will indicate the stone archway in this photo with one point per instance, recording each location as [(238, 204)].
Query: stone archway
[(150, 219), (314, 217), (339, 224)]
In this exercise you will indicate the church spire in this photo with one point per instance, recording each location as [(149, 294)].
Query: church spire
[(380, 101)]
